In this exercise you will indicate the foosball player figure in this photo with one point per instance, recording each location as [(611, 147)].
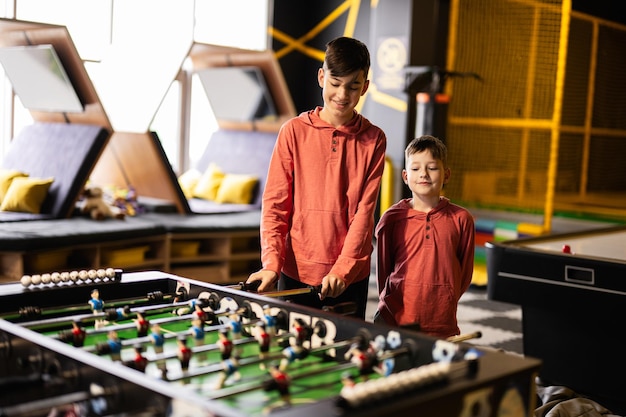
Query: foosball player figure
[(236, 330), (198, 334), (184, 353), (225, 344), (76, 335), (112, 347), (139, 362), (118, 314), (194, 306), (181, 295), (280, 382), (230, 368), (291, 354), (270, 320), (142, 325), (198, 311), (97, 307), (302, 331), (264, 339), (96, 304), (158, 340), (363, 354)]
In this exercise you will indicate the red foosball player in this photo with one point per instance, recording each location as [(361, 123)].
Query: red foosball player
[(198, 312), (142, 325), (302, 331), (264, 339), (280, 382), (76, 336), (184, 353), (139, 362), (225, 344), (363, 354)]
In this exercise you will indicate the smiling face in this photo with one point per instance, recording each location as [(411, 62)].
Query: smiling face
[(341, 94), (425, 177)]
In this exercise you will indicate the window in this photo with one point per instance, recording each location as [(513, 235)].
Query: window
[(133, 52)]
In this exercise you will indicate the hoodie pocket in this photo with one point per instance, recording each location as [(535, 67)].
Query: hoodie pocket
[(318, 235)]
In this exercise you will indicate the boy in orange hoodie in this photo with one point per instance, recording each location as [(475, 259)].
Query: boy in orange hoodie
[(322, 187)]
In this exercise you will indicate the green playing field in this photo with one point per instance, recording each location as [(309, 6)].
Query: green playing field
[(314, 377)]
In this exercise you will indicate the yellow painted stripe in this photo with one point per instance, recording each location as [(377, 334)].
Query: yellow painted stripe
[(353, 14), (298, 44), (294, 45), (387, 100)]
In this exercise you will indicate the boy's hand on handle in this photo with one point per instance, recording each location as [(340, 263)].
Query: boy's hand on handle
[(332, 286), (268, 280)]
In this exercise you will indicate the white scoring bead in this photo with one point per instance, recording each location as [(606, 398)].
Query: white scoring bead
[(101, 273), (26, 281), (35, 279), (92, 275), (110, 272), (83, 275), (74, 276), (55, 277), (45, 278), (65, 276)]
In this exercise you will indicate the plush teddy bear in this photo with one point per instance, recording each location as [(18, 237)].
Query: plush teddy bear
[(93, 203)]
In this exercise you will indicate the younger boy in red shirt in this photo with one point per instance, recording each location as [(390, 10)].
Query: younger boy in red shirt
[(425, 247)]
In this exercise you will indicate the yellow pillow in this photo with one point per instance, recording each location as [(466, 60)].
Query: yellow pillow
[(236, 188), (209, 183), (188, 181), (6, 177), (26, 194)]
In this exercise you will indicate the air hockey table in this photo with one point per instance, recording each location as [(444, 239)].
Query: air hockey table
[(572, 291)]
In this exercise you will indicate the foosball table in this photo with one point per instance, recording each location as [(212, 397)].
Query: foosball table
[(107, 343)]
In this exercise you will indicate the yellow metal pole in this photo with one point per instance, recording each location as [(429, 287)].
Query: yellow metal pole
[(556, 115), (591, 89), (451, 52), (528, 104), (386, 187)]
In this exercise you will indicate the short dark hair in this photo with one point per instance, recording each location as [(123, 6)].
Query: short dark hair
[(427, 142), (346, 55)]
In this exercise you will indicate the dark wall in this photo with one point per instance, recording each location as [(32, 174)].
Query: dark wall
[(308, 27), (612, 10)]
